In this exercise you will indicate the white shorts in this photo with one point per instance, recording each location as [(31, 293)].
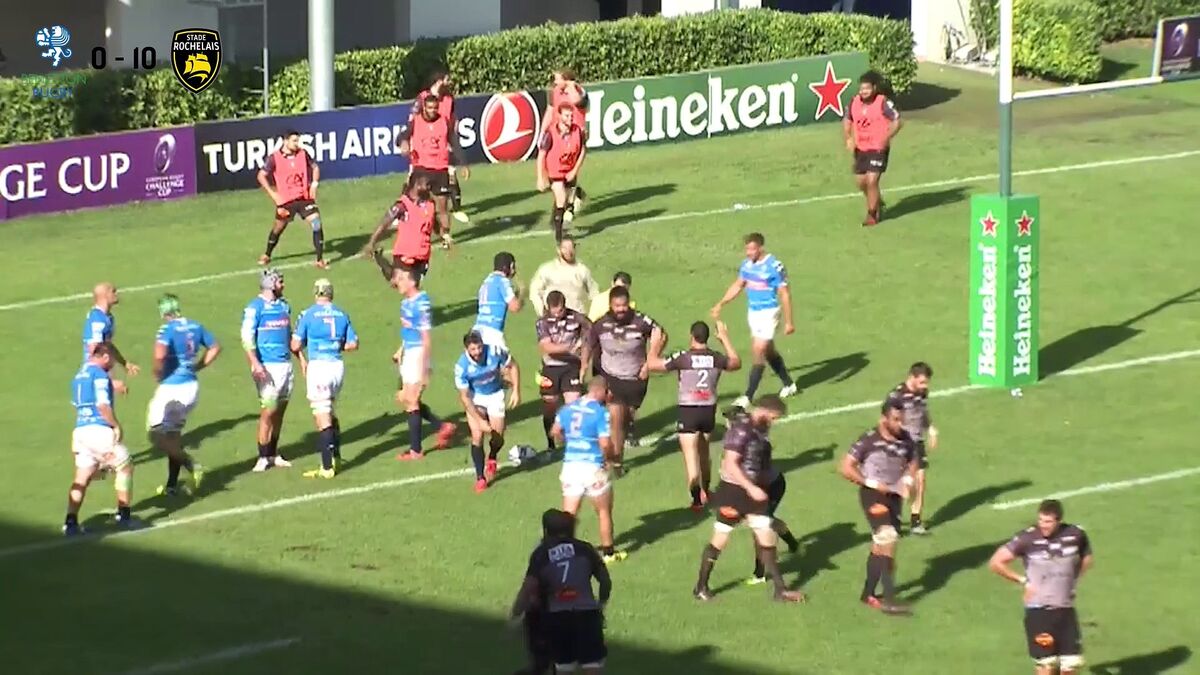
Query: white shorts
[(412, 365), (492, 404), (278, 385), (491, 336), (171, 405), (763, 323), (94, 447), (584, 478), (323, 382)]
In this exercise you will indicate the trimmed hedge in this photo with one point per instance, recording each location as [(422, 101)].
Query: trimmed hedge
[(1054, 39), (505, 61), (1139, 18)]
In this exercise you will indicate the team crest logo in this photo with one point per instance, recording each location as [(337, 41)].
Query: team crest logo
[(509, 127), (1044, 640), (196, 57), (729, 513)]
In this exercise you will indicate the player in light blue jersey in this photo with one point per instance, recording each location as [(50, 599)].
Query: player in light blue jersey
[(583, 426), (96, 441), (266, 338), (323, 333), (100, 326), (765, 280), (479, 376), (414, 358), (181, 349), (499, 294)]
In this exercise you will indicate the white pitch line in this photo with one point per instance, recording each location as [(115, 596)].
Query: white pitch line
[(415, 480), (1102, 487), (965, 180), (230, 654)]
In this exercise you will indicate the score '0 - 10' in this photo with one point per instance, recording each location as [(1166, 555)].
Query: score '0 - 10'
[(144, 58)]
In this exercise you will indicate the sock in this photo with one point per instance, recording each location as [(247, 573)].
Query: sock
[(173, 468), (558, 222), (428, 416), (875, 565), (696, 494), (495, 445), (547, 423), (325, 447), (887, 566), (337, 437), (756, 373), (758, 566), (274, 445), (707, 560), (916, 519), (272, 242), (264, 450), (187, 463), (579, 193), (477, 459), (455, 196), (769, 556), (607, 550), (318, 237), (72, 520), (789, 539), (414, 431), (776, 362), (123, 513)]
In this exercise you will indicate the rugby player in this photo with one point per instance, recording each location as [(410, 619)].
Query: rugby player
[(266, 339), (432, 145), (412, 216), (699, 369), (775, 492), (565, 273), (913, 396), (323, 333), (100, 326), (498, 295), (96, 441), (562, 340), (883, 462), (561, 152), (626, 339), (182, 348), (1055, 555), (566, 90), (741, 495), (868, 129), (414, 359), (585, 428), (290, 178), (558, 591), (599, 305), (479, 376), (765, 280), (441, 86)]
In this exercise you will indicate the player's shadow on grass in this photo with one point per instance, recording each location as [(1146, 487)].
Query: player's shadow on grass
[(924, 95), (507, 225), (462, 309), (193, 439), (599, 203), (282, 602), (939, 570), (836, 369), (809, 457), (1084, 344), (588, 229), (500, 201), (816, 554), (653, 527), (924, 201), (1145, 664), (962, 504)]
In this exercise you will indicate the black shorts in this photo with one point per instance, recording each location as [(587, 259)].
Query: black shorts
[(731, 504), (775, 492), (627, 392), (439, 181), (576, 637), (421, 267), (922, 456), (870, 161), (1052, 631), (697, 419), (559, 380), (880, 509), (297, 208)]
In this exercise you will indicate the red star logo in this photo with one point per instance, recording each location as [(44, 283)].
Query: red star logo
[(829, 92), (989, 223), (1025, 225)]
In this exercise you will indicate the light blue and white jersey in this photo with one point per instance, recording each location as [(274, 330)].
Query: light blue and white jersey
[(91, 389), (183, 339), (763, 281), (481, 377), (416, 315), (324, 330), (97, 327), (494, 295), (583, 423), (267, 329)]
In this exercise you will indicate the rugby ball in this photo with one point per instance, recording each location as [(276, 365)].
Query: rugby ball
[(518, 454)]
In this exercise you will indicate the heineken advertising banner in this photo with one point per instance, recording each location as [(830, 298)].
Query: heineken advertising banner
[(1004, 290)]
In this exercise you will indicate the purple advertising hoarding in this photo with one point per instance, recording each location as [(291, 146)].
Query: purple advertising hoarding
[(97, 171), (1179, 48)]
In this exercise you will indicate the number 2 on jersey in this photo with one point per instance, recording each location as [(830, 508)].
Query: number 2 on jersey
[(576, 423)]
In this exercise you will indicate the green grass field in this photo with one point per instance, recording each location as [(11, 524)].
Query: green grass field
[(395, 568)]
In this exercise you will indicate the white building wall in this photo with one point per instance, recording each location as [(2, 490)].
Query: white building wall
[(679, 7), (935, 21), (448, 18), (134, 24)]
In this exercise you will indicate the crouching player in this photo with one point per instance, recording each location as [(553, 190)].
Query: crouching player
[(96, 442), (323, 332), (479, 376), (176, 351)]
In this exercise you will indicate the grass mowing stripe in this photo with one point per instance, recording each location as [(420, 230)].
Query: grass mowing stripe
[(230, 654), (413, 480), (966, 180), (1102, 487)]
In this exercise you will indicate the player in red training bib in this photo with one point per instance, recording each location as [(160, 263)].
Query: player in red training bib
[(289, 177), (565, 89), (869, 128), (442, 86), (432, 146), (561, 151)]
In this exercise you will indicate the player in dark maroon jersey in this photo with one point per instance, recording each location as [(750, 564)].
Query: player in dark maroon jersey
[(913, 396), (562, 339), (698, 369)]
